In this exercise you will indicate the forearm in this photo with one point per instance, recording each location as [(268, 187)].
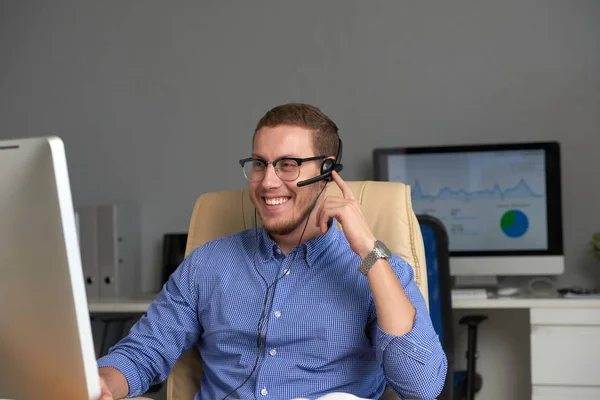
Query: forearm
[(115, 380), (413, 366), (405, 341), (157, 340), (395, 312)]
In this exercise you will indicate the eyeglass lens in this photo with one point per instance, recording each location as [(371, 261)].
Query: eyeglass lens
[(287, 170)]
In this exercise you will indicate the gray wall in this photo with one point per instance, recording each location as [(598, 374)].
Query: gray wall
[(156, 101)]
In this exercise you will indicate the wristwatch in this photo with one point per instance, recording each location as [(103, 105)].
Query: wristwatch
[(379, 251)]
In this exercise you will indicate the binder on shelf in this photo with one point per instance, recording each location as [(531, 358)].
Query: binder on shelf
[(109, 242), (88, 244), (108, 252)]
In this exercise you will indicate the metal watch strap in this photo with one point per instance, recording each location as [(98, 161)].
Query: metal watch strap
[(379, 251)]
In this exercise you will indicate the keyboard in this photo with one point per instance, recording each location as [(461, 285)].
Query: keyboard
[(471, 293)]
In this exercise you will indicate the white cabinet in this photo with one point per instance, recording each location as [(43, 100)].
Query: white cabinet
[(565, 353)]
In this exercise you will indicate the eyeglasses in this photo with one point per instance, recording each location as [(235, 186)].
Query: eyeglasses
[(286, 168)]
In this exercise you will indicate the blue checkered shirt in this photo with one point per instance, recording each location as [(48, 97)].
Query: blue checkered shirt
[(319, 334)]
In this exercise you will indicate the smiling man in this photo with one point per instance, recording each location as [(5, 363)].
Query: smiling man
[(297, 308), (283, 207)]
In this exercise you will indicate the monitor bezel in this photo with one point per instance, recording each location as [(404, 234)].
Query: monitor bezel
[(553, 187)]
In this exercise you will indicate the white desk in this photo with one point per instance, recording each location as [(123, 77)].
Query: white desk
[(140, 305), (120, 306), (564, 336), (530, 303)]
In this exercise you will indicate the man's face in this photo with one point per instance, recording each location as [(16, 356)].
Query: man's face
[(283, 207)]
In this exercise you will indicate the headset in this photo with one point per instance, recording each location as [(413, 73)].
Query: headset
[(327, 167)]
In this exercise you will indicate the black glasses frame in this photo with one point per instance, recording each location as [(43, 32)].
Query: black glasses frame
[(298, 161)]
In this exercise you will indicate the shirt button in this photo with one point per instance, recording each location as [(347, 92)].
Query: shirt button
[(287, 272), (273, 352), (264, 392), (277, 314)]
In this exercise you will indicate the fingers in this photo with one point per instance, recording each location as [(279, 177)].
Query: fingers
[(325, 215), (105, 393), (346, 191), (319, 216), (331, 208)]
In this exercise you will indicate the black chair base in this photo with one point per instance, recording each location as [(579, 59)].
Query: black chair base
[(469, 382)]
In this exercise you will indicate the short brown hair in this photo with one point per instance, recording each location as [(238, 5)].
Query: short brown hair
[(325, 131)]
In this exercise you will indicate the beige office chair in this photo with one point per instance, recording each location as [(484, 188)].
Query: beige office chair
[(386, 206)]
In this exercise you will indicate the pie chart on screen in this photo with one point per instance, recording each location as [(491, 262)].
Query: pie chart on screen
[(514, 223)]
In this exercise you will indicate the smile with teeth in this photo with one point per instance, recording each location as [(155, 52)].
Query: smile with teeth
[(276, 201)]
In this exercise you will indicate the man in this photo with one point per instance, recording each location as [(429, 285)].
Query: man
[(283, 311)]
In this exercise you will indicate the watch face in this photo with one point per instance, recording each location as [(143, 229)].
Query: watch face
[(383, 248)]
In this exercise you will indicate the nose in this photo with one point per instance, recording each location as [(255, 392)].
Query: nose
[(271, 178)]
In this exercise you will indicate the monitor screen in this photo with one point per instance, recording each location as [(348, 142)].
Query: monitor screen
[(492, 199)]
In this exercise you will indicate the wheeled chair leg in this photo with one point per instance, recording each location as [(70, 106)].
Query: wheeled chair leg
[(472, 322)]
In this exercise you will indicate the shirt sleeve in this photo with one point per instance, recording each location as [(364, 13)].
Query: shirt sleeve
[(167, 330), (414, 364)]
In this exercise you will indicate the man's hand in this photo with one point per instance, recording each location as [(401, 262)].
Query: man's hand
[(113, 384), (348, 212), (105, 393), (395, 313)]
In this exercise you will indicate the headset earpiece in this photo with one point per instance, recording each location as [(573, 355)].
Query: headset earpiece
[(327, 167)]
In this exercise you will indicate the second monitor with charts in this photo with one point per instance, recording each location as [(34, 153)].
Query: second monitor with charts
[(500, 203)]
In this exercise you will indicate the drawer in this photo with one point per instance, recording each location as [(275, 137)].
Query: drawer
[(565, 316), (565, 392), (565, 355)]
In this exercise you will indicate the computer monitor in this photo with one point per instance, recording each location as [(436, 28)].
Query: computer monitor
[(500, 203), (46, 346)]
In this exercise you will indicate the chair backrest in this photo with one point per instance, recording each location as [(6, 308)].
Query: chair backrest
[(439, 283), (386, 205)]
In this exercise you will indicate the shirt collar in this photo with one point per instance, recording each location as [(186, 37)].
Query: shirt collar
[(310, 249)]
